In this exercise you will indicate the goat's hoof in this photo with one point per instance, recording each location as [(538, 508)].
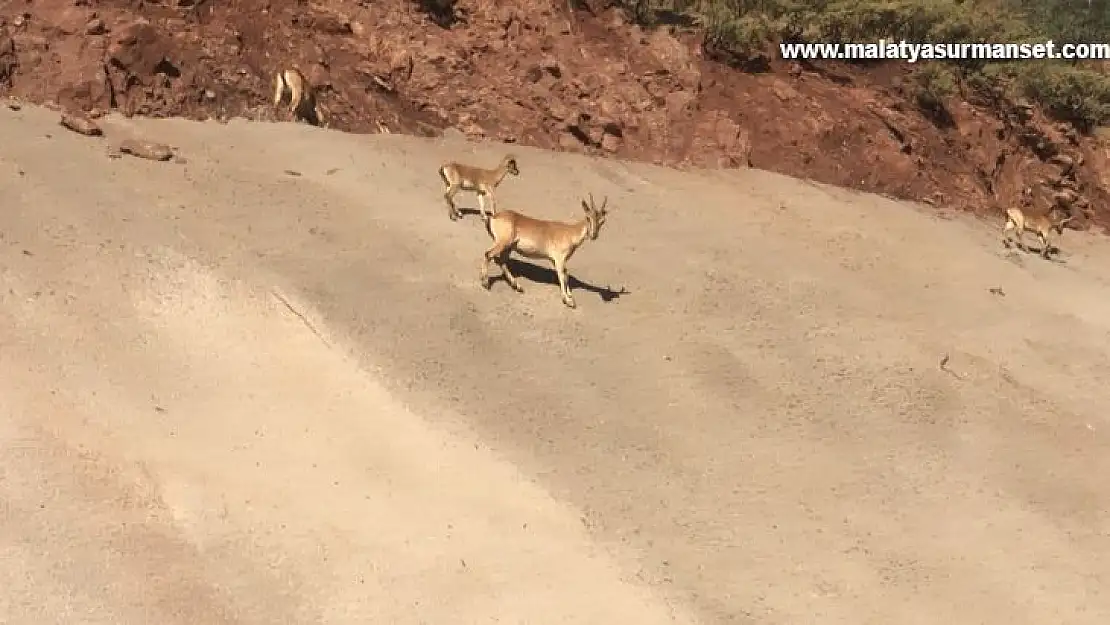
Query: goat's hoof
[(570, 303), (517, 288)]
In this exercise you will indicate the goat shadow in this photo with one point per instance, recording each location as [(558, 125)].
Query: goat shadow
[(469, 211), (1054, 255), (544, 275)]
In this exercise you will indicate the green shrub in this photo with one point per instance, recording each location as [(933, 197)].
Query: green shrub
[(1077, 95), (1064, 90), (738, 36), (1066, 20), (933, 83)]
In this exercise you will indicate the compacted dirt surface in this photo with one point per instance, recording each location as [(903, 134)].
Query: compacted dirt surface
[(532, 72), (260, 383)]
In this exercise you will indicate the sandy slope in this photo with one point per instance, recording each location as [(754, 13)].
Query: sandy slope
[(232, 395)]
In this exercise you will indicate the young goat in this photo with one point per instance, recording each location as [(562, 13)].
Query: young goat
[(302, 96), (459, 177), (1018, 222), (538, 238)]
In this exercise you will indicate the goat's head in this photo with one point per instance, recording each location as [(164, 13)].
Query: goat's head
[(595, 216), (509, 162)]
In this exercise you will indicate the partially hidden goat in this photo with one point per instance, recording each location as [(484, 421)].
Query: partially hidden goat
[(302, 96)]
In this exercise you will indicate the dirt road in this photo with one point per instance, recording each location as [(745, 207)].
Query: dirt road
[(229, 394)]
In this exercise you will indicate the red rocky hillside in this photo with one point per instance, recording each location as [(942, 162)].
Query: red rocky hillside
[(524, 71)]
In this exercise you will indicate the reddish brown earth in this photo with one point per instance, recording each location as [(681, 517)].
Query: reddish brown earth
[(521, 71)]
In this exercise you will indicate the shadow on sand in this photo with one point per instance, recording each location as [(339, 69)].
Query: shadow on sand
[(543, 275), (1032, 250)]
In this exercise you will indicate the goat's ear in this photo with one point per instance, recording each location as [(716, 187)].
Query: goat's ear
[(585, 206)]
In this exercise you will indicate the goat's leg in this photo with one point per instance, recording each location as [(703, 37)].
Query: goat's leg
[(503, 260), (296, 103), (483, 273), (1007, 234), (485, 200), (449, 196), (490, 202), (481, 202), (564, 282), (494, 252), (1045, 247), (279, 89)]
